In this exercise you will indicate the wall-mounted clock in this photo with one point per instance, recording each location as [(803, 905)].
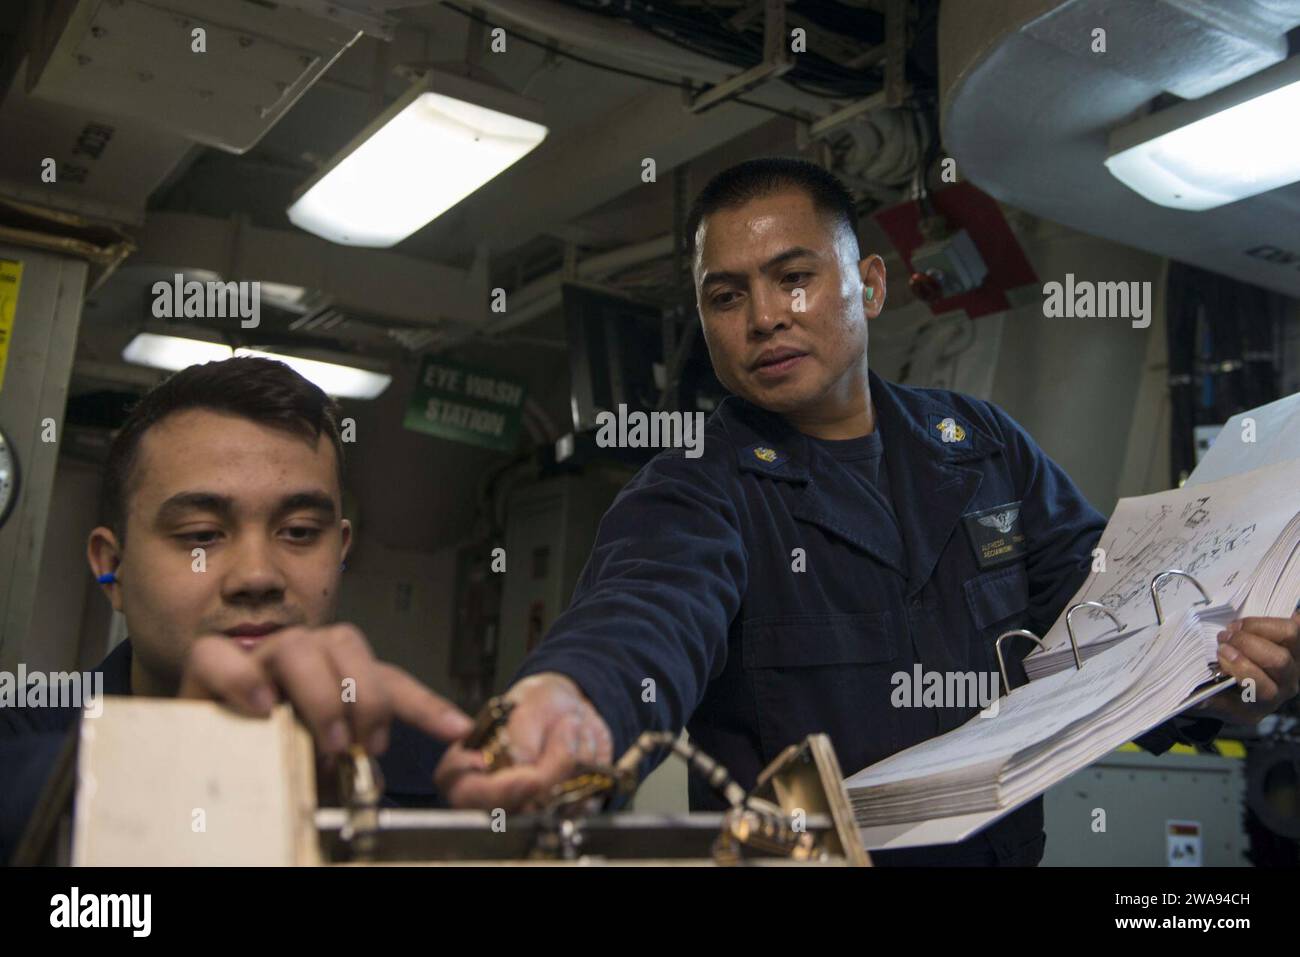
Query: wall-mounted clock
[(8, 476)]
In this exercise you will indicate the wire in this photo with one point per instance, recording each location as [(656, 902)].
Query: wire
[(753, 45), (724, 42), (622, 71)]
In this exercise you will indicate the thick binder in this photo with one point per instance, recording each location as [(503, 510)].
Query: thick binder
[(950, 829)]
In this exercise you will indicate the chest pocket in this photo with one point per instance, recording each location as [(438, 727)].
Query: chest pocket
[(998, 602), (825, 674)]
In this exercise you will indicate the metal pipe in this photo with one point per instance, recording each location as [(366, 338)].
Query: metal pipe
[(616, 40)]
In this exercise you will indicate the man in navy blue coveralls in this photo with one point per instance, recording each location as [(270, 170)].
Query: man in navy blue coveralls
[(827, 539)]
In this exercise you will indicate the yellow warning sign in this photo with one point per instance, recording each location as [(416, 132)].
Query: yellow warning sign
[(1225, 747), (11, 278)]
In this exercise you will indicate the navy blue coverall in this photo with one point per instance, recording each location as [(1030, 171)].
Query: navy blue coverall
[(694, 583)]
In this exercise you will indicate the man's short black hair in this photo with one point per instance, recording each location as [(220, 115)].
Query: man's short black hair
[(756, 178), (260, 390)]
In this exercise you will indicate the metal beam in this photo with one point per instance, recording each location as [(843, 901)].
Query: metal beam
[(776, 61), (371, 281), (861, 107)]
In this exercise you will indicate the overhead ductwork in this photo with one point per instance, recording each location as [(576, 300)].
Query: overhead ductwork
[(117, 92), (1027, 106), (150, 61)]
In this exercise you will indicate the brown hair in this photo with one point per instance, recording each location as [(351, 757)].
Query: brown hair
[(261, 390)]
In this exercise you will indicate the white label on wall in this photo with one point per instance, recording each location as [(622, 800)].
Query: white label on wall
[(1183, 843)]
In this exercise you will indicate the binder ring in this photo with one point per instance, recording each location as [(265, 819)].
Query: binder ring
[(1069, 625), (997, 646), (1155, 595)]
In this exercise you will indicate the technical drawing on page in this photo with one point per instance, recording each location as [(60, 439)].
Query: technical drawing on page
[(1140, 553), (1195, 513)]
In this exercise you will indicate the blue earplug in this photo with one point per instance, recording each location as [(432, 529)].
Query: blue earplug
[(108, 578)]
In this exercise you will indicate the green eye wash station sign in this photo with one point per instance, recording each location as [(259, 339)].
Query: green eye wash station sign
[(466, 405)]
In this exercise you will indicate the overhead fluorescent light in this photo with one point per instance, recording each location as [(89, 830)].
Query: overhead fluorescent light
[(281, 294), (446, 137), (1238, 142), (342, 381), (174, 353)]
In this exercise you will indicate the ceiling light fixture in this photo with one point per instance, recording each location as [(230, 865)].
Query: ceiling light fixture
[(446, 137), (174, 353), (1237, 142), (343, 381)]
